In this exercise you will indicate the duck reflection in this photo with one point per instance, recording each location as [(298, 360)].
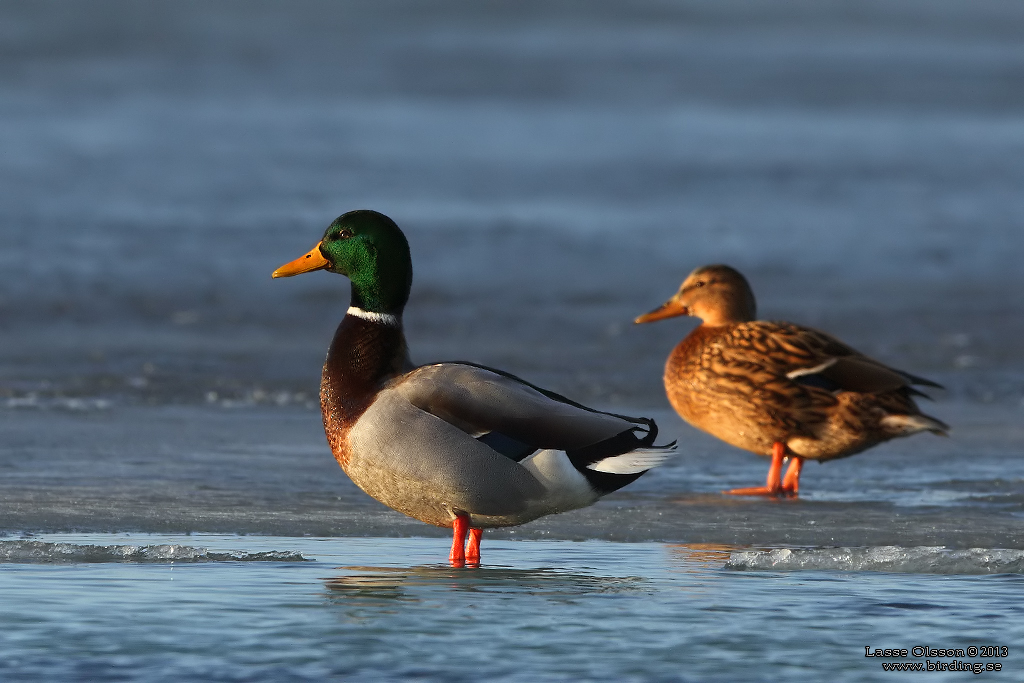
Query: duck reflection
[(700, 557), (365, 585)]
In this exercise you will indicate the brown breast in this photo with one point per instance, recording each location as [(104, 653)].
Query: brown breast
[(720, 380), (363, 356)]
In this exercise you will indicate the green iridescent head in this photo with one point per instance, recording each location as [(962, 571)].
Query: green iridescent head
[(371, 251)]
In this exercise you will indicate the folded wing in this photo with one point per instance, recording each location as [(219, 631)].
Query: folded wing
[(517, 419), (813, 358)]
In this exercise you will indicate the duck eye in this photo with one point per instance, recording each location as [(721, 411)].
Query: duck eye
[(699, 283), (343, 234)]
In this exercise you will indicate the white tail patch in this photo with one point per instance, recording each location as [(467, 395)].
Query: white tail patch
[(905, 425), (634, 462)]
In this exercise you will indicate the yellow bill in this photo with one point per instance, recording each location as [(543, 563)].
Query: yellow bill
[(314, 260)]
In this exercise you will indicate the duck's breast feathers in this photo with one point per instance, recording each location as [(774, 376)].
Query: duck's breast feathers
[(480, 401), (813, 358)]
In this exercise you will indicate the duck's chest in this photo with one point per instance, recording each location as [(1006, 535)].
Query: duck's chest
[(362, 357), (710, 387), (690, 374)]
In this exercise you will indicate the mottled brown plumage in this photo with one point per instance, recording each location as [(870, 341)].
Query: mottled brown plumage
[(779, 389)]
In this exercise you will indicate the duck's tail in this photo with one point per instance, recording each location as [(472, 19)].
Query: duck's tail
[(611, 464), (905, 425), (635, 462)]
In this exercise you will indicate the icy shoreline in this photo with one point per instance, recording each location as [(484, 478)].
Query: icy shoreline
[(268, 471)]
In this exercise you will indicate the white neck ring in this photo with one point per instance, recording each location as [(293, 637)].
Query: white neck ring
[(379, 318)]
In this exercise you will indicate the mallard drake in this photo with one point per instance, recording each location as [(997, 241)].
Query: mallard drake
[(452, 444), (778, 389)]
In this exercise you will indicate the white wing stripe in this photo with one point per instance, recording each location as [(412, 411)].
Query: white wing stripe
[(800, 372)]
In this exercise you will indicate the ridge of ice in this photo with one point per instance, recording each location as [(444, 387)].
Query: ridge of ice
[(889, 558), (43, 552), (71, 403)]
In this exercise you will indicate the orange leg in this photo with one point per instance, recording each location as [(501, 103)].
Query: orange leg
[(460, 526), (772, 487), (473, 547), (791, 482)]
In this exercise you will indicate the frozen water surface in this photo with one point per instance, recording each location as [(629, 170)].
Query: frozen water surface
[(268, 470), (386, 609), (558, 168)]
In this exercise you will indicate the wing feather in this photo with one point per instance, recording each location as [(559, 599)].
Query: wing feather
[(813, 358), (479, 400)]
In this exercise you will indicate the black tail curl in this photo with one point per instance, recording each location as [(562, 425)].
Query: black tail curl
[(624, 442)]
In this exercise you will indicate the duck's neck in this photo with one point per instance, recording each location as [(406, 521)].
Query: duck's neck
[(727, 312), (698, 337), (368, 349)]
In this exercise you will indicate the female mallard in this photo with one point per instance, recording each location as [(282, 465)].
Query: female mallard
[(778, 389), (452, 444)]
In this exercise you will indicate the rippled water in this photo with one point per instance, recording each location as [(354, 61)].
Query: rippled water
[(558, 168), (386, 609)]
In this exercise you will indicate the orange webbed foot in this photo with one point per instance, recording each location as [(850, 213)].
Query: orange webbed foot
[(791, 482), (755, 491), (774, 485), (473, 548), (460, 526)]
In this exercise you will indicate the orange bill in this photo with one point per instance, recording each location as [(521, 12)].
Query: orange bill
[(669, 309), (314, 260)]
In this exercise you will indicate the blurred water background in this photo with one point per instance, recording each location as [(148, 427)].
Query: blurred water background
[(558, 168)]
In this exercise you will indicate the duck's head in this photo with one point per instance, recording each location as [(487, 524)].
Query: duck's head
[(718, 295), (371, 251)]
